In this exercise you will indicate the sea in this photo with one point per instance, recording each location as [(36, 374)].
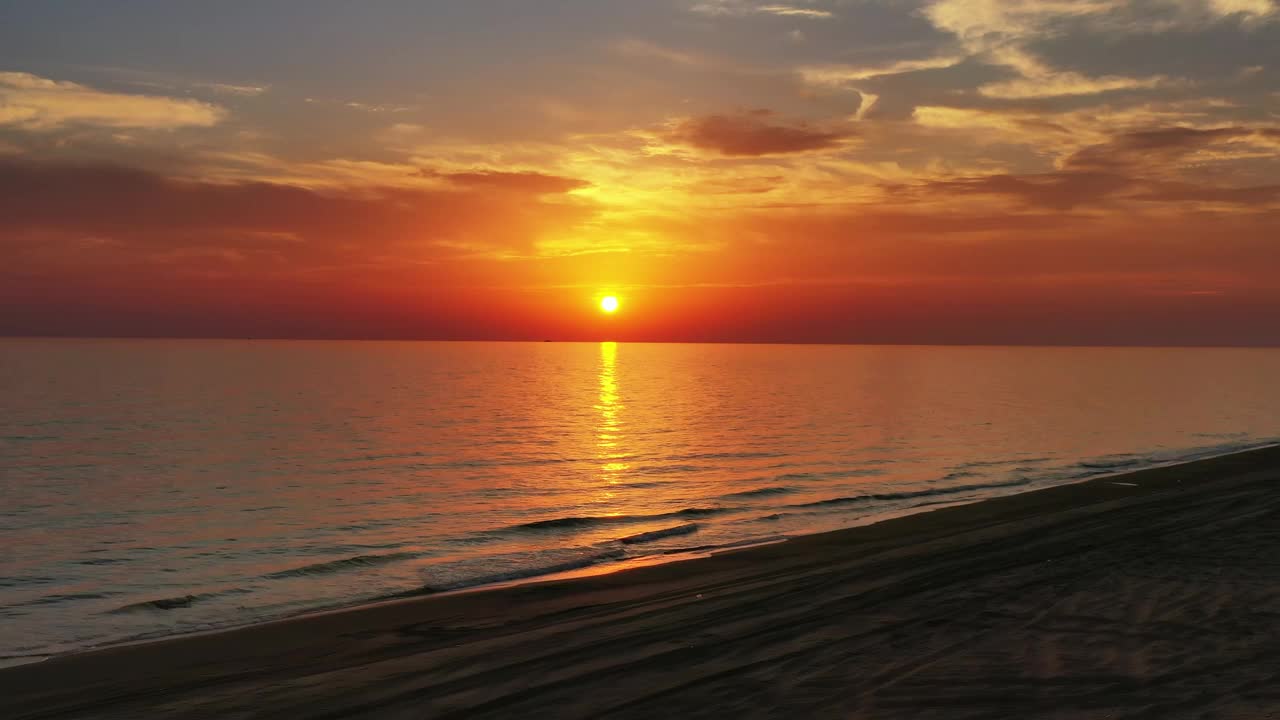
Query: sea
[(150, 488)]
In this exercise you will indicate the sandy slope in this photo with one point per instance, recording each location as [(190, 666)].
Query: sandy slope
[(1096, 600)]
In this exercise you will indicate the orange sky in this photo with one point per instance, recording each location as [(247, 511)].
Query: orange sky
[(973, 171)]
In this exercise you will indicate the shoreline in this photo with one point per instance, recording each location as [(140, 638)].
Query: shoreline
[(621, 566), (383, 658), (618, 566)]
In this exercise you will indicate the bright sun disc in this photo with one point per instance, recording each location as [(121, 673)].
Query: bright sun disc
[(609, 303)]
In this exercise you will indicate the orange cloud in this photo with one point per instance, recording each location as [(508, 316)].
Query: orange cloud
[(752, 135), (527, 182), (1148, 147), (135, 217), (35, 103)]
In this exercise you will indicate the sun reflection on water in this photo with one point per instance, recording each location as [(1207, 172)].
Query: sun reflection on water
[(609, 431)]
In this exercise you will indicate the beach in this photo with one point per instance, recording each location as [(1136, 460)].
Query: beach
[(1153, 594)]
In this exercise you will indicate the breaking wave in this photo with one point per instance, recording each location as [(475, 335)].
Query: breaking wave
[(953, 490), (333, 566), (760, 492), (652, 535), (599, 520), (176, 602)]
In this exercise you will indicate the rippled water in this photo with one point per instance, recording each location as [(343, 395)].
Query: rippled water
[(156, 487)]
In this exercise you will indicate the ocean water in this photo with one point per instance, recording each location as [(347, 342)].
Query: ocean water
[(150, 488)]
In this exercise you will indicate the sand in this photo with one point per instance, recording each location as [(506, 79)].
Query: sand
[(1149, 595)]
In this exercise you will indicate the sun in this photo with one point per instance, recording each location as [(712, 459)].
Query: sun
[(609, 304)]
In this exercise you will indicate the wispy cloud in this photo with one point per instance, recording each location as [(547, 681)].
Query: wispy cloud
[(646, 50), (754, 134), (36, 103), (377, 107), (1250, 9), (235, 90), (1153, 148), (743, 7), (1038, 80), (792, 11), (360, 106), (1062, 135), (534, 183), (999, 33), (839, 74)]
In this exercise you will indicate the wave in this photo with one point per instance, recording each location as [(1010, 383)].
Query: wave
[(670, 469), (451, 464), (598, 520), (911, 494), (724, 547), (998, 463), (22, 580), (1208, 451), (760, 492), (521, 573), (333, 566), (745, 455), (652, 535), (176, 602), (10, 660), (833, 474), (1112, 463), (64, 597)]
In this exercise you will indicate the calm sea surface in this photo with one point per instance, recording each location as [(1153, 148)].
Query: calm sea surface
[(157, 487)]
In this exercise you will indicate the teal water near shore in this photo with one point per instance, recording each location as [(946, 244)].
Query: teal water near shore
[(159, 487)]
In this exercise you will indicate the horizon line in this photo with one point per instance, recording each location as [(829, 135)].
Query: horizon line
[(238, 338)]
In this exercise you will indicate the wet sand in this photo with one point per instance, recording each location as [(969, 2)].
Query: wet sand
[(1154, 594)]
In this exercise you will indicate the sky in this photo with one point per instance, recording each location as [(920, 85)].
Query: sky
[(881, 171)]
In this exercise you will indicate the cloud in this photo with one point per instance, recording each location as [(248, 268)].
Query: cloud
[(1131, 166), (1248, 9), (1058, 190), (743, 7), (34, 103), (535, 183), (1152, 147), (1052, 83), (106, 249), (841, 74), (752, 134), (792, 11), (1061, 84), (645, 50), (985, 24), (998, 33), (1063, 134), (1038, 80), (740, 186), (844, 76), (236, 90), (146, 215), (1007, 127), (376, 107), (1250, 196)]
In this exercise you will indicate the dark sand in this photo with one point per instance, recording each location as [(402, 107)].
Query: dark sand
[(1093, 600)]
